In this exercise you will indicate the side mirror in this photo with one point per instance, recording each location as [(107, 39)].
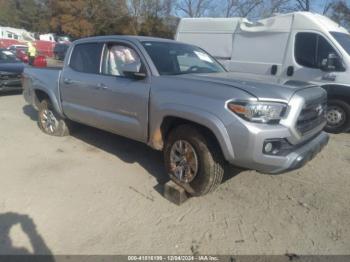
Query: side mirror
[(133, 70), (331, 63)]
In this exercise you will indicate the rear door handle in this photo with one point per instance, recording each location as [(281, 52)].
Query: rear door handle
[(290, 70)]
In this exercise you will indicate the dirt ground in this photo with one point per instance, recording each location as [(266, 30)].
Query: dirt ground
[(97, 193)]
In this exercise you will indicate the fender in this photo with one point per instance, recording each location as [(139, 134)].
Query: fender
[(53, 92), (193, 114), (53, 98), (341, 92)]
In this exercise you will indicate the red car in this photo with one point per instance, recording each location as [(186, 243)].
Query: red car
[(40, 61), (22, 55)]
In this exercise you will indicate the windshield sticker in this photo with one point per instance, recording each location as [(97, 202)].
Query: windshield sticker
[(203, 56)]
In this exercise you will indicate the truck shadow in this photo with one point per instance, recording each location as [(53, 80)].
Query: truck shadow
[(39, 247), (127, 150)]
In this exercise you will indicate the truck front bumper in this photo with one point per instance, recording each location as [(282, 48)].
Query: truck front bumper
[(307, 152), (249, 149)]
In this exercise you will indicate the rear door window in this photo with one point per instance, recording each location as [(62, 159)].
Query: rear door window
[(86, 58)]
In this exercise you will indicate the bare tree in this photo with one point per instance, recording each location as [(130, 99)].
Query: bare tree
[(193, 8), (303, 5), (241, 8), (340, 12)]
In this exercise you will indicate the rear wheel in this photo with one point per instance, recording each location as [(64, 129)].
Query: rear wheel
[(50, 122), (338, 116), (193, 161)]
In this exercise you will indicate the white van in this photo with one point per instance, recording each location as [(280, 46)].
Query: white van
[(47, 37), (299, 46)]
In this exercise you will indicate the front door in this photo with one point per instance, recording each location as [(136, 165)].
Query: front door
[(123, 99), (306, 53)]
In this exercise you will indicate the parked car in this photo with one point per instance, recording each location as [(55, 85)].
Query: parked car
[(22, 55), (298, 46), (21, 52), (14, 48), (11, 69), (177, 98), (60, 51)]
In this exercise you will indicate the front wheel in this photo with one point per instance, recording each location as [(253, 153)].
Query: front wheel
[(50, 122), (338, 116), (193, 161)]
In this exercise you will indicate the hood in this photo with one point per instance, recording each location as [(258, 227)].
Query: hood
[(12, 67), (263, 91)]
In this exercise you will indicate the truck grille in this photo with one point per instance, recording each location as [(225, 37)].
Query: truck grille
[(312, 115)]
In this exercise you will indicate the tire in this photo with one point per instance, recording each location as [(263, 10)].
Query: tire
[(210, 162), (338, 116), (57, 126)]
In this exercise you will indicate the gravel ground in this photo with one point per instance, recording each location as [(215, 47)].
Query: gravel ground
[(97, 193)]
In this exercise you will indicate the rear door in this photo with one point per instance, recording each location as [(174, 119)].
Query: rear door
[(79, 84)]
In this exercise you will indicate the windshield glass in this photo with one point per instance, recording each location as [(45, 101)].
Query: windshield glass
[(177, 58), (343, 39), (8, 57)]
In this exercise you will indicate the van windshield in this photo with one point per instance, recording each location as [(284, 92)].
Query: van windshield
[(343, 39), (177, 58)]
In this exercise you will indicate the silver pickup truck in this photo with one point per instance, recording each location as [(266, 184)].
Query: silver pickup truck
[(177, 98)]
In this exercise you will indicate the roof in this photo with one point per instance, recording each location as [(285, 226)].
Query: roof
[(276, 23), (208, 24), (131, 38), (296, 20)]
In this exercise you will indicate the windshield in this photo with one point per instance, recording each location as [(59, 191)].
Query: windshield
[(175, 58), (343, 39), (8, 57)]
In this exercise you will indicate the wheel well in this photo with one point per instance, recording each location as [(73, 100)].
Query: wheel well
[(338, 92), (170, 122), (338, 97), (40, 96)]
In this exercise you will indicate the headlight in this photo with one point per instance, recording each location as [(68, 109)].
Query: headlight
[(261, 112)]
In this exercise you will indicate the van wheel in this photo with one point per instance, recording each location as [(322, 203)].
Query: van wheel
[(50, 122), (193, 161), (338, 116)]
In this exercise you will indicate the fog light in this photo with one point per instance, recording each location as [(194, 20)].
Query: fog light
[(272, 147), (268, 147)]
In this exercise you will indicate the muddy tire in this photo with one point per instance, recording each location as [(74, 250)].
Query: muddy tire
[(50, 122), (338, 116), (193, 160)]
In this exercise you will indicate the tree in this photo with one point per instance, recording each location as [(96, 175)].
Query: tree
[(340, 12), (241, 8), (29, 14), (80, 18), (303, 5), (193, 8), (152, 17)]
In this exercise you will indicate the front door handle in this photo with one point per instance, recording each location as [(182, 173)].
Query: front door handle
[(290, 70), (68, 81)]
